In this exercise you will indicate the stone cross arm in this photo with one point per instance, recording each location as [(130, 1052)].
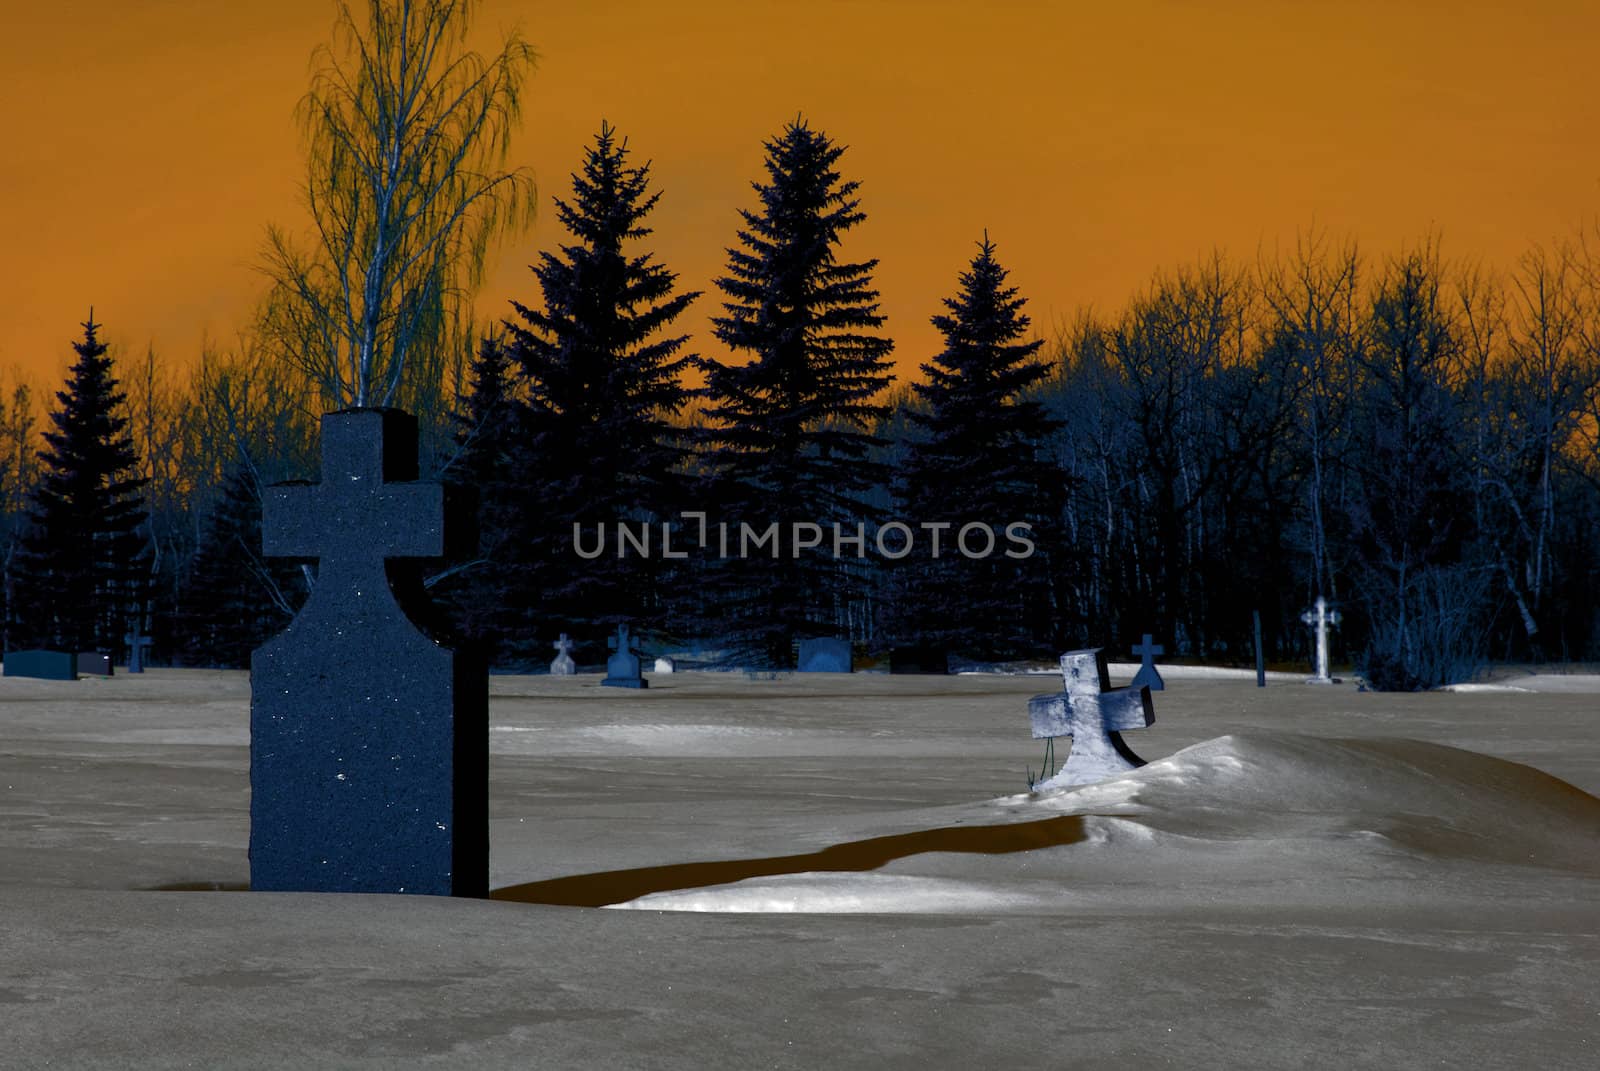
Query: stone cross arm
[(1149, 648), (1121, 709), (365, 509), (1320, 614)]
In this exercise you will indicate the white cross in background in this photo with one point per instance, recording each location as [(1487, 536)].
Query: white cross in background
[(1320, 617)]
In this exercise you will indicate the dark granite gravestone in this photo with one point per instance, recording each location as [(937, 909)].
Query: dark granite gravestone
[(368, 740), (622, 668), (1094, 715), (1147, 675), (46, 665), (824, 654), (932, 660), (136, 645), (94, 664)]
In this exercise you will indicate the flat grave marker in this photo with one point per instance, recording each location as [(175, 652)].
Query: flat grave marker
[(94, 664), (825, 654), (42, 664)]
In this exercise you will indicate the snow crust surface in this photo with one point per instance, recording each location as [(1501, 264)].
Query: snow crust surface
[(1301, 876)]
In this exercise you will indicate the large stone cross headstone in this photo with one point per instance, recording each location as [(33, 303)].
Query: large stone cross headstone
[(368, 740), (622, 668), (1094, 715), (1147, 674), (563, 665), (1319, 618)]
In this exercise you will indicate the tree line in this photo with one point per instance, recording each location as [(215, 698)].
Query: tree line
[(1413, 439)]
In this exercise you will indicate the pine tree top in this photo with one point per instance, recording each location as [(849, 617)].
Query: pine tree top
[(592, 352), (984, 366), (806, 318), (91, 447)]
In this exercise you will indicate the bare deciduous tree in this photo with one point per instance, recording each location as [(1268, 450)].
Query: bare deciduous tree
[(1314, 301), (407, 132), (18, 470)]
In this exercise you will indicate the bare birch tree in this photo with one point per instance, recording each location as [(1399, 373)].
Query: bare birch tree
[(1313, 297), (407, 133)]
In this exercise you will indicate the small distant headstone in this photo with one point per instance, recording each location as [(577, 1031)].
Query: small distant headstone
[(45, 665), (1147, 674), (563, 666), (825, 654), (666, 665), (622, 668), (927, 660), (369, 742), (1320, 617), (94, 664), (1095, 716), (136, 645)]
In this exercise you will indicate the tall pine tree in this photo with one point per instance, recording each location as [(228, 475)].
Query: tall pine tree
[(788, 440), (975, 461), (602, 385), (82, 567)]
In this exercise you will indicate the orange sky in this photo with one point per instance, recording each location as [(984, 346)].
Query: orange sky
[(148, 144)]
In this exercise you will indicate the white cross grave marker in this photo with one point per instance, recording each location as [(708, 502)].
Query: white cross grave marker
[(1319, 618), (563, 666)]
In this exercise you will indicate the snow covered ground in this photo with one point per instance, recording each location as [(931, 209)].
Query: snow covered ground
[(838, 871)]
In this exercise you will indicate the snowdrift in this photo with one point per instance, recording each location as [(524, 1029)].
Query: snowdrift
[(1259, 817)]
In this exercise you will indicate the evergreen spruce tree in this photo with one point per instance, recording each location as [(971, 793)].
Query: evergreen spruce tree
[(974, 459), (234, 599), (82, 567), (602, 384), (488, 467), (788, 440)]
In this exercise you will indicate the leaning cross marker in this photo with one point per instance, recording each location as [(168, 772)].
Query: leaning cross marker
[(1094, 715), (369, 742)]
